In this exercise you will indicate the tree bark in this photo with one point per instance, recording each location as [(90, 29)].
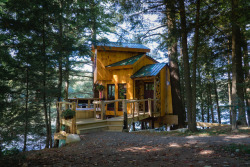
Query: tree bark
[(45, 84), (174, 67), (26, 110), (247, 75), (229, 88), (234, 63), (60, 76), (94, 43), (50, 131), (237, 75), (66, 88), (201, 96), (211, 101), (208, 103), (191, 121), (182, 85), (216, 98), (196, 44)]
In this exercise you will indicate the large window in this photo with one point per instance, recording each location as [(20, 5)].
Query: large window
[(122, 92), (111, 96)]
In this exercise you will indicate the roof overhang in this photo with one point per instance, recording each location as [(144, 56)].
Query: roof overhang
[(150, 70), (119, 67), (144, 78), (123, 49)]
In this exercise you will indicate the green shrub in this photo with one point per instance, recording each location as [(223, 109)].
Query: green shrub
[(68, 114), (12, 151), (99, 87)]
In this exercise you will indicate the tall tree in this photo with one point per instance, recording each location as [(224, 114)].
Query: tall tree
[(188, 90), (173, 63), (196, 45), (237, 75)]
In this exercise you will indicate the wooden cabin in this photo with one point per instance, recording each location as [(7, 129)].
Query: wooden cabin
[(136, 88), (127, 72)]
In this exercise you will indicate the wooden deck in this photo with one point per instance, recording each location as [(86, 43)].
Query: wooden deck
[(95, 119)]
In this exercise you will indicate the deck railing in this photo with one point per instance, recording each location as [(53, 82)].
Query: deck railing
[(88, 100), (134, 106), (61, 106)]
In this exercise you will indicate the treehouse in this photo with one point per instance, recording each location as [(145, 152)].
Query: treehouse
[(126, 72), (130, 86)]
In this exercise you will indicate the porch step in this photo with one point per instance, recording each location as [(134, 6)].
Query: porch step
[(112, 128), (92, 129), (115, 128), (90, 123), (114, 122)]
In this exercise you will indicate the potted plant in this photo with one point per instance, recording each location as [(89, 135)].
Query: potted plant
[(68, 114), (100, 88)]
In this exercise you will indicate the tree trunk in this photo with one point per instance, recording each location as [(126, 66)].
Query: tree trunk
[(60, 77), (211, 101), (229, 88), (182, 85), (94, 43), (174, 67), (50, 132), (247, 75), (26, 110), (216, 98), (201, 96), (208, 103), (191, 121), (237, 75), (196, 43), (66, 89), (44, 86)]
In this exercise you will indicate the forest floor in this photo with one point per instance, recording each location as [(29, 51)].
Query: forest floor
[(213, 147)]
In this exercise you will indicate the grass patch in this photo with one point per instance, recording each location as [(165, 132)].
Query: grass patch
[(238, 148)]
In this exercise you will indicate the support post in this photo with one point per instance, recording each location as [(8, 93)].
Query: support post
[(115, 109), (88, 103), (149, 107), (137, 108), (94, 110), (73, 125), (103, 111), (144, 107), (125, 115), (133, 110)]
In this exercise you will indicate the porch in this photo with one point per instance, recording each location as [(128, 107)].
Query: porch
[(95, 119)]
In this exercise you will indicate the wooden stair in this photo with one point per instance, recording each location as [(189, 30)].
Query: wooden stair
[(97, 125), (86, 123)]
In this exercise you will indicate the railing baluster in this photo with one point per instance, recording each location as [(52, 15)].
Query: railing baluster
[(149, 107), (144, 103), (94, 110), (125, 115)]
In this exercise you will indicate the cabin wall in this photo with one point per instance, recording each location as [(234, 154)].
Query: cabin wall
[(105, 58), (163, 91), (119, 77)]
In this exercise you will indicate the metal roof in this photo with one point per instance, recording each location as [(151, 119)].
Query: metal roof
[(128, 61), (149, 70), (123, 45)]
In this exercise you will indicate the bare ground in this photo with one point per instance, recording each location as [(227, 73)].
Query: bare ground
[(144, 149)]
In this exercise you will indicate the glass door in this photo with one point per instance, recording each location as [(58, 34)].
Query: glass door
[(122, 89), (148, 93), (111, 96)]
